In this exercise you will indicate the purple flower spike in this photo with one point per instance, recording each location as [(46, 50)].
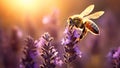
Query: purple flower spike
[(49, 53), (70, 40), (30, 53), (114, 56)]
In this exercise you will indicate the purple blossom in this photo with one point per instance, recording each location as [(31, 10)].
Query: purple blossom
[(78, 52), (40, 42), (70, 40), (114, 57), (30, 53), (58, 61), (117, 54), (49, 53)]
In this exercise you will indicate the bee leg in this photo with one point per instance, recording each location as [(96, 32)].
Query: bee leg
[(84, 32)]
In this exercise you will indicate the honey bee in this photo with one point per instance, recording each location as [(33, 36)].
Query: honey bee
[(84, 22)]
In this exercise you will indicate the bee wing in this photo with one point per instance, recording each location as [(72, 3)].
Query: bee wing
[(95, 15), (87, 11), (92, 27)]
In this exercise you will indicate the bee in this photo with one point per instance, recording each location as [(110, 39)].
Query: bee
[(84, 22)]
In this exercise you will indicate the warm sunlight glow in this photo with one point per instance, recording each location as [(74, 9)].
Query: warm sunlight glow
[(21, 5), (26, 4)]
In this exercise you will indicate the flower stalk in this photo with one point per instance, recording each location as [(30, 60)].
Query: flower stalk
[(114, 57), (30, 53), (49, 53), (70, 41)]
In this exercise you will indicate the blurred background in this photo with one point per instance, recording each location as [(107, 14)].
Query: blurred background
[(21, 18)]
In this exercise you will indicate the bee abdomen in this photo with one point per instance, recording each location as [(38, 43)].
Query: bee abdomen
[(95, 29), (92, 27)]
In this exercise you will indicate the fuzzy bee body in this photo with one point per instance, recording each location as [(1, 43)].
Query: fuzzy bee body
[(83, 21), (92, 27)]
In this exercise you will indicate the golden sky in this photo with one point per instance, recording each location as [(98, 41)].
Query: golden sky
[(17, 11)]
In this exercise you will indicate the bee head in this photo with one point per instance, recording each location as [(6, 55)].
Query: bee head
[(71, 23), (75, 21)]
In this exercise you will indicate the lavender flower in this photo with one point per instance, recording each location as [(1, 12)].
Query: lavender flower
[(15, 38), (49, 53), (114, 56), (70, 41), (30, 53)]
